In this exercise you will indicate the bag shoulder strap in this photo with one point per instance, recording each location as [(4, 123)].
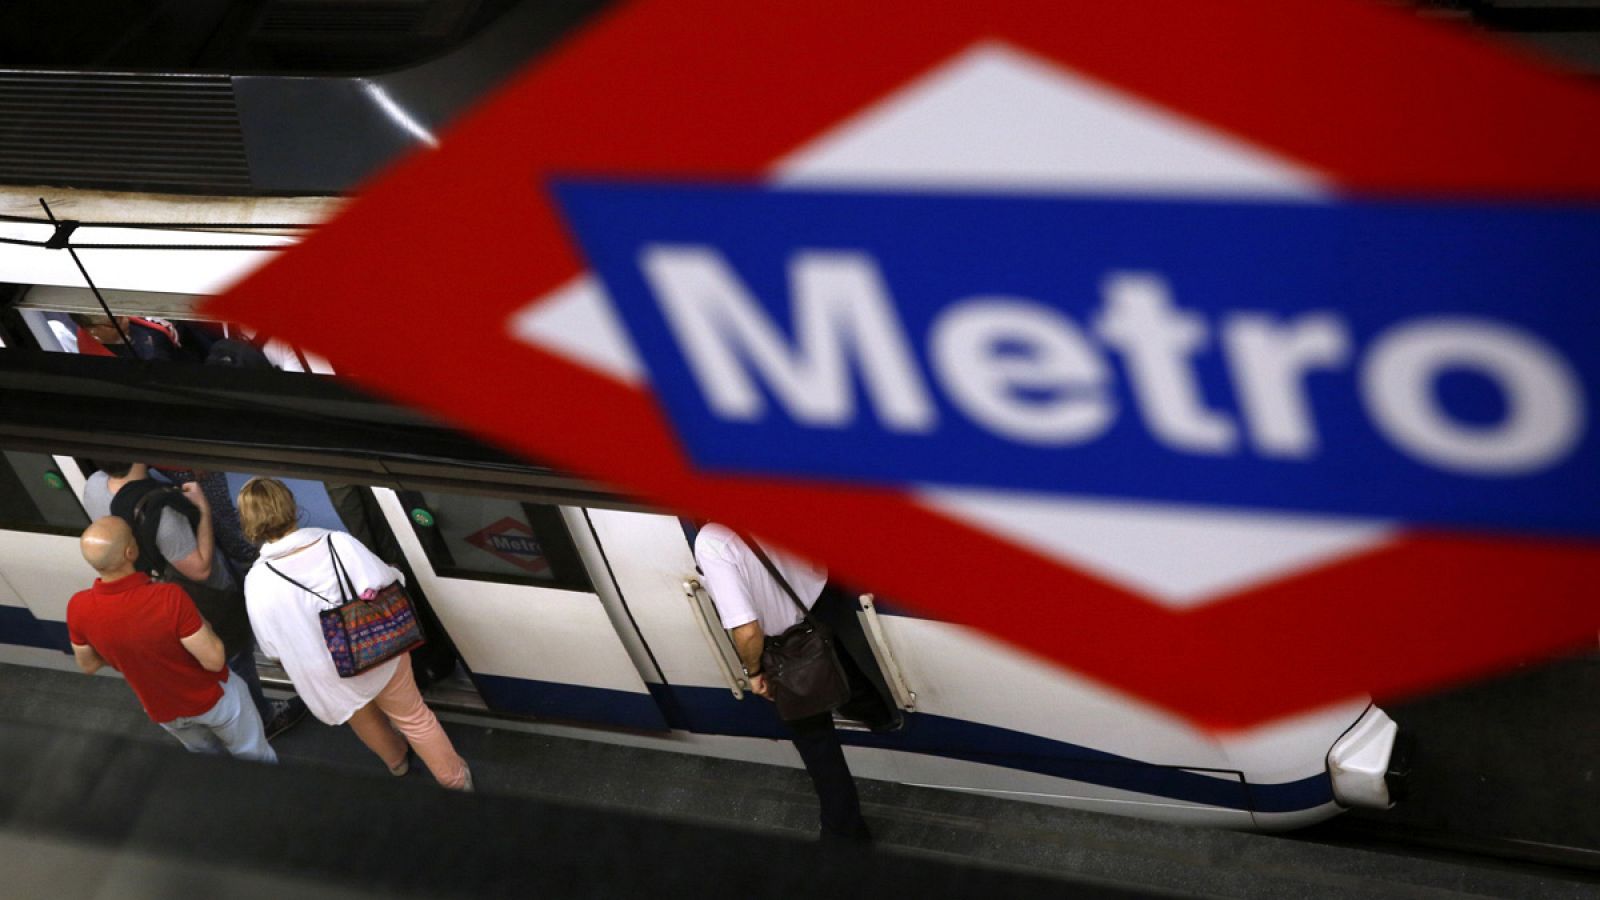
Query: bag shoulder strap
[(274, 569), (155, 502), (778, 576), (347, 586), (140, 504)]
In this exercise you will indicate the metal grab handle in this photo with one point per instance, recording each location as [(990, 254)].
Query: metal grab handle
[(904, 696), (720, 649)]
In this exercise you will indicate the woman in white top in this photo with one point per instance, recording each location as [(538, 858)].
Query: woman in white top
[(285, 618)]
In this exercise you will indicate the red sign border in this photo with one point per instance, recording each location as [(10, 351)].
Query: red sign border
[(1374, 99)]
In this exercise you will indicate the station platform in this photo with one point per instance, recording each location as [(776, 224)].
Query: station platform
[(95, 801)]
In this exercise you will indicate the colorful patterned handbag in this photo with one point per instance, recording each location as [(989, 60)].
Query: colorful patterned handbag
[(367, 630)]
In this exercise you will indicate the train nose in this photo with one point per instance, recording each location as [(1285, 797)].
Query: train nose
[(1360, 762)]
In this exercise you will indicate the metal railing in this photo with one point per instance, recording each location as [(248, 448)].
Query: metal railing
[(722, 650), (904, 696)]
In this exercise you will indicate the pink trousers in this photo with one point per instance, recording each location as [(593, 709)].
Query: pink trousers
[(399, 706)]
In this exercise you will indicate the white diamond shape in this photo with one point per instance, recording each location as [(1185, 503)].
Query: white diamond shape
[(996, 119), (579, 322), (992, 118), (1181, 557)]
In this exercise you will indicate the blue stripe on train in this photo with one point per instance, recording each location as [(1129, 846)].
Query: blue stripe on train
[(20, 626), (715, 711), (573, 702)]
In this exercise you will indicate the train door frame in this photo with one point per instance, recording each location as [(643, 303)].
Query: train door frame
[(41, 573), (567, 661), (704, 689), (650, 560)]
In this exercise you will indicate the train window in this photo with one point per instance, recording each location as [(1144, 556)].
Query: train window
[(34, 496), (495, 539), (157, 326)]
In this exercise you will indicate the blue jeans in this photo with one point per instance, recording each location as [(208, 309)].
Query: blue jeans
[(243, 664), (231, 725)]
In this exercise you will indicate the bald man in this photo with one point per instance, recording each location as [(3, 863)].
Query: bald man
[(152, 634)]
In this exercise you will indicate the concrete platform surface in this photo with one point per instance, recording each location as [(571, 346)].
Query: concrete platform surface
[(591, 782)]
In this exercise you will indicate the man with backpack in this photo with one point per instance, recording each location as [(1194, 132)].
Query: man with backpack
[(176, 542), (168, 655)]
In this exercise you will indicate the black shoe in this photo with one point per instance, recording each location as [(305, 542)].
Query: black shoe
[(285, 715)]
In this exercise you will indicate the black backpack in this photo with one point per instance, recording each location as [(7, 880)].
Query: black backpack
[(140, 503), (238, 354)]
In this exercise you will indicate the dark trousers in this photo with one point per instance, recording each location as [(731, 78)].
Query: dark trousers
[(817, 739), (823, 756), (870, 700), (243, 664)]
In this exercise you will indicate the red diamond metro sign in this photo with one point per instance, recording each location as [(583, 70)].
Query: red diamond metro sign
[(1235, 355)]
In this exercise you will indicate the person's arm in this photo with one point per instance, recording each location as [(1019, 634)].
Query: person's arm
[(731, 597), (197, 565), (88, 660), (206, 648), (749, 641)]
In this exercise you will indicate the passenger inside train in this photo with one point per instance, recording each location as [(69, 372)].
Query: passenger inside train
[(65, 320)]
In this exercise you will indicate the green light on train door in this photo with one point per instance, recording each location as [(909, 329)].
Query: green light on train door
[(422, 517), (54, 482)]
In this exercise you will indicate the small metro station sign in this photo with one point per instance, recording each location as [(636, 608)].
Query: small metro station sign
[(1237, 355)]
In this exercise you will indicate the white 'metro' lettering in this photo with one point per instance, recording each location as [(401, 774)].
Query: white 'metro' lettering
[(839, 304), (1157, 342), (969, 346), (1026, 372), (1544, 418), (1268, 360)]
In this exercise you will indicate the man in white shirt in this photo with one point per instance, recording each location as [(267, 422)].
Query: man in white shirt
[(754, 607)]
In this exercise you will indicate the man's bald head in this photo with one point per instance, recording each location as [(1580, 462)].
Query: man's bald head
[(106, 543)]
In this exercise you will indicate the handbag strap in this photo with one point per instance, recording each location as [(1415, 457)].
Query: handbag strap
[(302, 587), (341, 575), (773, 571)]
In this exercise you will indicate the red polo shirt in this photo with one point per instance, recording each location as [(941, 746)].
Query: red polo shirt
[(136, 626)]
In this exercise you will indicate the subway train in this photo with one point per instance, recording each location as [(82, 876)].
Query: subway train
[(557, 602), (593, 615)]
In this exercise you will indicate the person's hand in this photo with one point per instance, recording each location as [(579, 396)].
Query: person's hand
[(759, 686), (195, 495)]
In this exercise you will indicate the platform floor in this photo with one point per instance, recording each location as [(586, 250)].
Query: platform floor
[(1089, 848)]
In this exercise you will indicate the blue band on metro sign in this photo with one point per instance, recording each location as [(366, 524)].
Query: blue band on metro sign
[(1422, 362)]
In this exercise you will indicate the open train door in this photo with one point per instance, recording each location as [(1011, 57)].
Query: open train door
[(41, 517)]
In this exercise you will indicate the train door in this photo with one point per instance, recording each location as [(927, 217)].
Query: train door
[(704, 690), (508, 581), (650, 558), (40, 565)]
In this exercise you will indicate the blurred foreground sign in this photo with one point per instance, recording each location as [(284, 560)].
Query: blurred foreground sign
[(1220, 353)]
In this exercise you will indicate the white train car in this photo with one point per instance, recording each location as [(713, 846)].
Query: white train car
[(571, 609)]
